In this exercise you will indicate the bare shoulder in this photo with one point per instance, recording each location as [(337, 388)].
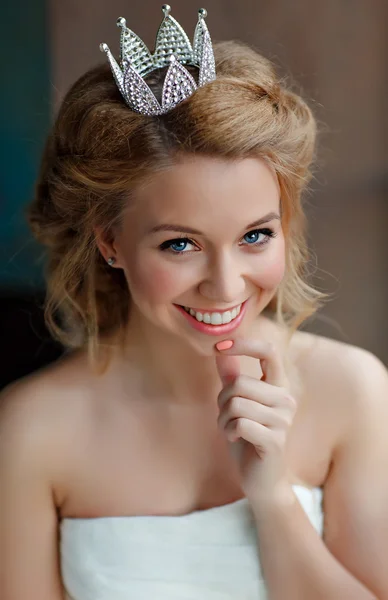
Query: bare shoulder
[(338, 361), (46, 394), (340, 375), (41, 413)]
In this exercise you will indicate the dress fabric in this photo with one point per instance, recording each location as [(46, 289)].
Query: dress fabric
[(205, 555)]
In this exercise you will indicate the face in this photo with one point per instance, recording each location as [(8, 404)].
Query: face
[(203, 250)]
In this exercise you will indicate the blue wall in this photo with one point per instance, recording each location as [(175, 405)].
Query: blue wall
[(24, 121)]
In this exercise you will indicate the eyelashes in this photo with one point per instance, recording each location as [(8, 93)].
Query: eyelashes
[(179, 244), (268, 233), (182, 242)]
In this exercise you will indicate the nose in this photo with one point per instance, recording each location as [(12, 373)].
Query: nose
[(224, 281)]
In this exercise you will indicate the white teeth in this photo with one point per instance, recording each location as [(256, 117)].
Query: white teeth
[(214, 318), (226, 317)]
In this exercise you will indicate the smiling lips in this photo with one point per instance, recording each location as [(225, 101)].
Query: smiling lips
[(215, 318), (214, 323)]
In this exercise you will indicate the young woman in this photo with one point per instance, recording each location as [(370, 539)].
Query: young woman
[(193, 443)]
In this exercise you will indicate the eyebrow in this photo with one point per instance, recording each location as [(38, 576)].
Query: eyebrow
[(165, 227)]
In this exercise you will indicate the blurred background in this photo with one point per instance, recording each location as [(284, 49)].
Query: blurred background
[(334, 53)]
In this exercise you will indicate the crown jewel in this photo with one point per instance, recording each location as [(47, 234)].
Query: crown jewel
[(172, 49)]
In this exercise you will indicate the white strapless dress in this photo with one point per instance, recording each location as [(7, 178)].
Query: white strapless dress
[(205, 555)]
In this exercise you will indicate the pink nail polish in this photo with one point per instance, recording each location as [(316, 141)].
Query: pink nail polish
[(224, 345)]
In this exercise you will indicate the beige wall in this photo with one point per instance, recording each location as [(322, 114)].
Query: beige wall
[(336, 52)]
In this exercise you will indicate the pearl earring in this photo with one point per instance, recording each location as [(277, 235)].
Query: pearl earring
[(111, 261)]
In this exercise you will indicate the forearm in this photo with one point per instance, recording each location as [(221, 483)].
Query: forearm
[(295, 562)]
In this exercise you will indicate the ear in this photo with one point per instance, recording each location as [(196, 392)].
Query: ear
[(106, 245)]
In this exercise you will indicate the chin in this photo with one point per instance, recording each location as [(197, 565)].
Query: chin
[(204, 348)]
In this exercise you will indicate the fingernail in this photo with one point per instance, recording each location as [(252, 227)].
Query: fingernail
[(224, 345)]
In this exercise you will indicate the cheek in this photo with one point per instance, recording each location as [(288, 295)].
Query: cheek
[(161, 284), (154, 280), (272, 269)]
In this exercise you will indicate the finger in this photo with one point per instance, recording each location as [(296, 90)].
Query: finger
[(270, 360), (228, 368), (256, 390), (250, 431), (238, 407)]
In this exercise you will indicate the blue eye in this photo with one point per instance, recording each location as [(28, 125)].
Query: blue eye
[(254, 237), (177, 246)]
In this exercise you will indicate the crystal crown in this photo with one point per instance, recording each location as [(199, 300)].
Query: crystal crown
[(172, 49)]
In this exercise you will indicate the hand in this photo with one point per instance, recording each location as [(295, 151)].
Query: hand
[(256, 416)]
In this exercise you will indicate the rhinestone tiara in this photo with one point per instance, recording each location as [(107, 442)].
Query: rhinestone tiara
[(172, 49)]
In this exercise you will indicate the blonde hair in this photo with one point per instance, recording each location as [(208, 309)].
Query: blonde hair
[(99, 151)]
